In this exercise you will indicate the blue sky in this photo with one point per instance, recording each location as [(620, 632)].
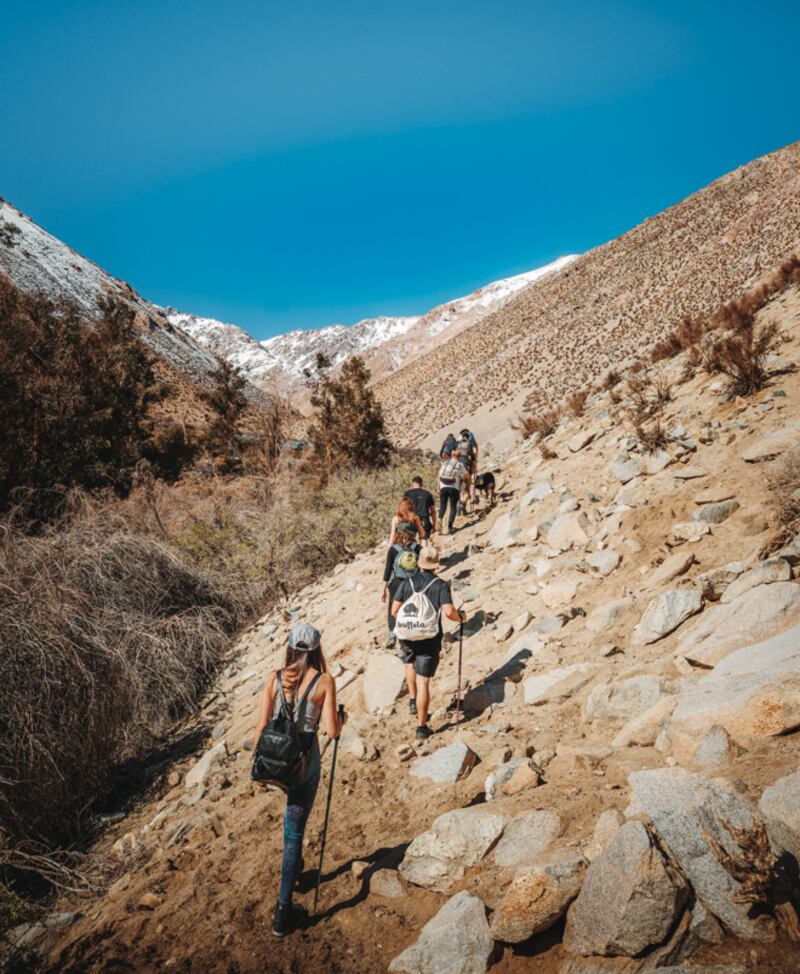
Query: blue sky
[(285, 165)]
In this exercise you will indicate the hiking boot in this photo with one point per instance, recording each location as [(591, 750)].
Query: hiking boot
[(423, 733), (286, 920), (391, 641), (412, 707)]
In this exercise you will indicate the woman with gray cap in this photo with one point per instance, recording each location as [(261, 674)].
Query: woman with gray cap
[(311, 694)]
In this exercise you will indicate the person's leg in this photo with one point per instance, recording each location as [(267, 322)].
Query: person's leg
[(423, 699), (411, 681), (442, 508), (453, 498), (299, 803)]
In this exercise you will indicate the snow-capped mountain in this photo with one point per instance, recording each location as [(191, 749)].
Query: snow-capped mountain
[(37, 262), (385, 343)]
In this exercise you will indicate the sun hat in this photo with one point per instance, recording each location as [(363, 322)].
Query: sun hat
[(406, 564), (304, 637), (429, 558)]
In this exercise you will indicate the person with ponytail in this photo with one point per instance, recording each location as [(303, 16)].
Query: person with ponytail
[(311, 694)]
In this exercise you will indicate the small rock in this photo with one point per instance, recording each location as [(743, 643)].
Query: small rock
[(522, 620), (404, 752), (606, 827), (358, 868), (503, 632), (386, 882), (557, 684), (691, 531), (666, 612), (716, 513), (537, 897), (383, 682), (150, 901), (496, 780), (603, 562), (558, 593), (523, 777), (607, 616), (716, 748), (672, 567), (447, 765), (208, 763), (780, 806)]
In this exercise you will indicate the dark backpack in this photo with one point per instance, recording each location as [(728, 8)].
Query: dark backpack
[(281, 757), (466, 448), (448, 445)]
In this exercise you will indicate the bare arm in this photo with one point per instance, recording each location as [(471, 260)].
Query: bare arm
[(330, 721), (452, 613), (396, 608), (267, 698), (393, 532)]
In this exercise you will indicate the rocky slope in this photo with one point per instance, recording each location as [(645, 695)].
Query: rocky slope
[(606, 307), (632, 683), (278, 364), (37, 262)]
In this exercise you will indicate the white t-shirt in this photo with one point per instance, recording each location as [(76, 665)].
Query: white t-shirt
[(454, 470)]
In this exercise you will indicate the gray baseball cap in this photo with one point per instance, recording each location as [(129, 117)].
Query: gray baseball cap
[(304, 637)]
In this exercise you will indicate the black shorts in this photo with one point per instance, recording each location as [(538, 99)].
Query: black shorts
[(425, 663)]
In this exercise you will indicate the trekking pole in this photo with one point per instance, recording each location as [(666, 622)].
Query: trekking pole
[(458, 689), (327, 811)]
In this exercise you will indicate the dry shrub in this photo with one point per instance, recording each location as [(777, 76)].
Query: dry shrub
[(106, 637), (783, 482), (651, 435), (667, 348), (541, 424), (576, 402), (742, 356), (610, 379), (645, 396)]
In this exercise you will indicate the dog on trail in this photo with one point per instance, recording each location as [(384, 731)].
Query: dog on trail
[(485, 484)]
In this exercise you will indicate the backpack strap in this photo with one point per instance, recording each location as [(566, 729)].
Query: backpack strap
[(312, 683), (298, 704)]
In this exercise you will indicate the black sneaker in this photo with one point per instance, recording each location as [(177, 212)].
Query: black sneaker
[(423, 733), (287, 919), (391, 640), (412, 707)]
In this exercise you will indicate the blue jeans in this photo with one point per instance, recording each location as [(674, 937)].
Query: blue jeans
[(299, 802)]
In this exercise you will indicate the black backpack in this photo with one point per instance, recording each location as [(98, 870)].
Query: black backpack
[(448, 445), (281, 757)]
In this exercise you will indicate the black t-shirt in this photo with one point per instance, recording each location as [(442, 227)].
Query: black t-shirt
[(439, 595), (391, 557), (422, 500)]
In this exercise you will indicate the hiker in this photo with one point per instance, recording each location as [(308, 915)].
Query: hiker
[(467, 446), (421, 655), (452, 475), (310, 694), (406, 514), (401, 561), (424, 507), (447, 447)]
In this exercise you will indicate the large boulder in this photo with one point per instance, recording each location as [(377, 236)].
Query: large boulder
[(683, 808), (526, 836), (457, 840), (537, 897), (626, 699), (765, 573), (753, 693), (384, 679), (569, 531), (666, 612), (629, 901), (505, 532), (780, 806), (447, 765), (753, 616), (607, 616), (557, 684), (456, 941)]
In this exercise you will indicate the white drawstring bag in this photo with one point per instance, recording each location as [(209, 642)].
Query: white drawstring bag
[(417, 618)]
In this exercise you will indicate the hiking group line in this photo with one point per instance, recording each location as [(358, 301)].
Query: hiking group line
[(301, 695)]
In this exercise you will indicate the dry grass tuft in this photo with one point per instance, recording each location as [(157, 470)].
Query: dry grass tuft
[(783, 482), (541, 424), (576, 402)]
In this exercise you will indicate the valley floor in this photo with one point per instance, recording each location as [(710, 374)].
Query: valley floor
[(590, 696)]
